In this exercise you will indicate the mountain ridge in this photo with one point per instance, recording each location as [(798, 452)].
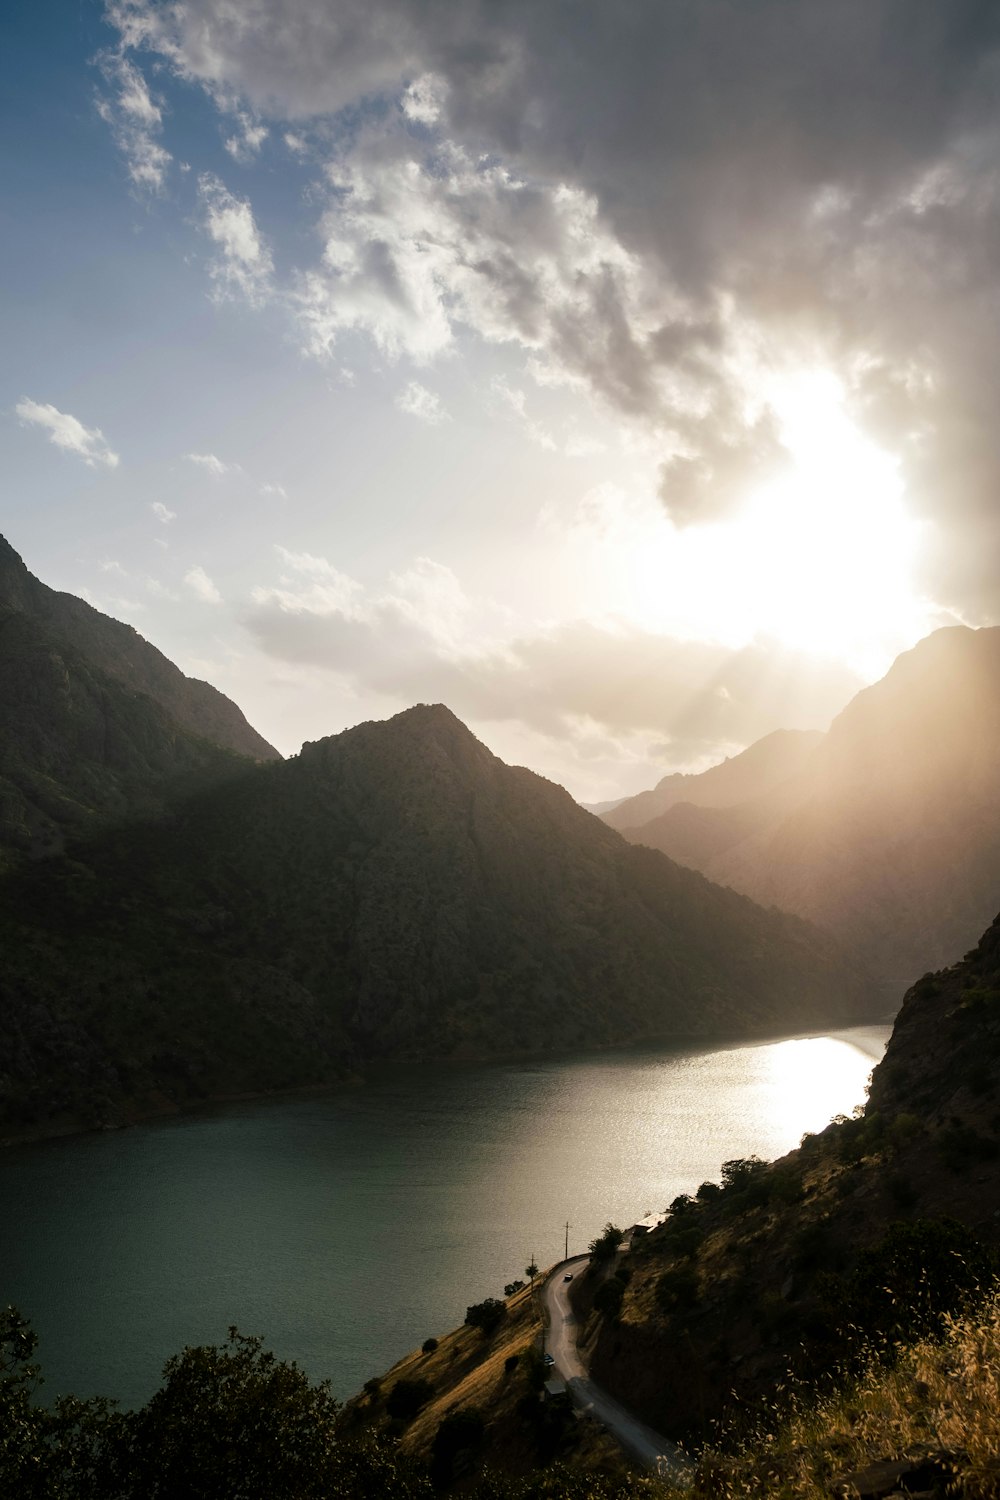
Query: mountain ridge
[(399, 892), (121, 652), (890, 835)]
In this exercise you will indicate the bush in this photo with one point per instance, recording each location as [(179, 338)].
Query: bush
[(605, 1246), (428, 1346), (683, 1237), (512, 1288), (609, 1297), (407, 1397), (682, 1204), (230, 1421), (458, 1436), (677, 1289), (487, 1315), (902, 1286)]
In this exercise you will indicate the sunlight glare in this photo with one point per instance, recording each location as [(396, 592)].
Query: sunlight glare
[(820, 559)]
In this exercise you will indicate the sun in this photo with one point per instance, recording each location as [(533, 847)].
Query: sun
[(821, 559)]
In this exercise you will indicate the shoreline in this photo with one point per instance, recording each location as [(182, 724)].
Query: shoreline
[(65, 1128)]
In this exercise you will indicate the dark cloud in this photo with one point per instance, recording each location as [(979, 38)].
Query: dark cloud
[(819, 178)]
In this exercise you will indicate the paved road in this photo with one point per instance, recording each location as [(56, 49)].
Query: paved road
[(645, 1445)]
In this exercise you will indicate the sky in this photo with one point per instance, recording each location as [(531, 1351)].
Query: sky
[(623, 376)]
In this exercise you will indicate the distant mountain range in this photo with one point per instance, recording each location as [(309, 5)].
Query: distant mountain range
[(762, 768), (886, 831), (204, 923)]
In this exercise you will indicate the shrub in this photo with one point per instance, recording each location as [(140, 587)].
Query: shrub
[(407, 1397), (605, 1246), (512, 1288), (608, 1298), (429, 1345), (487, 1315), (460, 1433), (903, 1285), (677, 1289)]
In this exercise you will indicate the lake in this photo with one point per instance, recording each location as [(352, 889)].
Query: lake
[(347, 1227)]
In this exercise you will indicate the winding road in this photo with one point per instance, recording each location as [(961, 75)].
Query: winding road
[(641, 1442)]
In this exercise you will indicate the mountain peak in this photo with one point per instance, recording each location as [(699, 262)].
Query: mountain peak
[(120, 651)]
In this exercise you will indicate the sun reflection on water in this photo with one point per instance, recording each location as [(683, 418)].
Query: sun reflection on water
[(809, 1079)]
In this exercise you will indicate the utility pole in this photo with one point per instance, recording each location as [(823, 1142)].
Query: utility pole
[(567, 1240)]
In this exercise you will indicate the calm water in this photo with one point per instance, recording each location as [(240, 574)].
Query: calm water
[(347, 1228)]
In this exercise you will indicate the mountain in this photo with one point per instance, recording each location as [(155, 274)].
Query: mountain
[(393, 891), (889, 835), (871, 1227), (79, 751), (744, 1319), (764, 766), (121, 653)]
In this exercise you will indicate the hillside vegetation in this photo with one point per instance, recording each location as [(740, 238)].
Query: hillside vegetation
[(824, 1325), (393, 891), (878, 1224)]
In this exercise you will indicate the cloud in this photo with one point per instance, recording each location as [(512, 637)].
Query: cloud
[(135, 121), (660, 210), (68, 432), (275, 491), (159, 590), (417, 401), (161, 512), (243, 265), (249, 137), (422, 638), (211, 464), (202, 586), (422, 102)]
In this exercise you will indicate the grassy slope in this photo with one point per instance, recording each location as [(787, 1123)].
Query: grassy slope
[(469, 1370)]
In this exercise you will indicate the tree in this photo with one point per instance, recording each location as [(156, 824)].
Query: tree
[(487, 1315), (230, 1421), (512, 1288), (458, 1436), (56, 1452), (605, 1246), (531, 1271), (407, 1397)]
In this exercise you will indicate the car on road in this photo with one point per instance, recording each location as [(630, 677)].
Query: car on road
[(568, 1276)]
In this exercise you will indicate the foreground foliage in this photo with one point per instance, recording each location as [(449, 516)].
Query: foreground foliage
[(934, 1402), (230, 1422)]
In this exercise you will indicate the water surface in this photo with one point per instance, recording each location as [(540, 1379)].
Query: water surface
[(346, 1228)]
